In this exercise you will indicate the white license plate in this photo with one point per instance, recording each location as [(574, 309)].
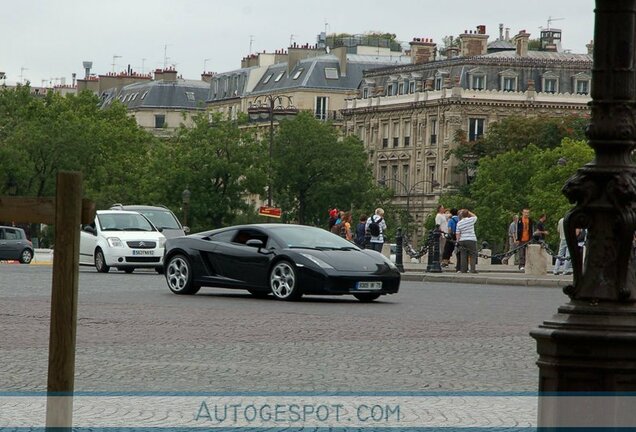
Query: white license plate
[(369, 285), (143, 252)]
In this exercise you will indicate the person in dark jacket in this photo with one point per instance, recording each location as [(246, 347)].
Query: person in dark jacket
[(360, 232), (449, 247)]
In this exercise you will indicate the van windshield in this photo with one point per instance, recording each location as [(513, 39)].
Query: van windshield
[(161, 219)]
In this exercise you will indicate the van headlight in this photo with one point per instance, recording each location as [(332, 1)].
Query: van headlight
[(115, 242)]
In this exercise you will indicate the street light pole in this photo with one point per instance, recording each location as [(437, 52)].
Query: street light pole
[(264, 108), (185, 199)]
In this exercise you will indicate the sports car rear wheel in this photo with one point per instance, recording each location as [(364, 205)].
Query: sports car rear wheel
[(283, 281), (366, 298), (179, 275)]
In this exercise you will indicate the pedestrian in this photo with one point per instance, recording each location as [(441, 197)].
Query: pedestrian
[(467, 240), (361, 232), (563, 260), (376, 226), (512, 238), (450, 238), (525, 229), (540, 232), (333, 216), (345, 226), (441, 223)]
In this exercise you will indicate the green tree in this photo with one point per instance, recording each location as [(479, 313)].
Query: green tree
[(220, 163), (315, 169)]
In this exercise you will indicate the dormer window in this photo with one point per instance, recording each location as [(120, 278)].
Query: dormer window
[(280, 75), (550, 82), (331, 73), (365, 92), (582, 83), (411, 86), (297, 74), (477, 79), (401, 88), (389, 89), (508, 80), (190, 96), (439, 79)]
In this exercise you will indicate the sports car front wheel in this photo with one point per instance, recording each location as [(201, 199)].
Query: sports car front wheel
[(179, 276), (283, 281)]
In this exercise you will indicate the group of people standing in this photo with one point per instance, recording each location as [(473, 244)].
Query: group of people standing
[(458, 234), (369, 231)]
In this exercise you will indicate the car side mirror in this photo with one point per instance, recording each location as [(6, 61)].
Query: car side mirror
[(256, 243), (186, 229), (160, 229), (90, 229)]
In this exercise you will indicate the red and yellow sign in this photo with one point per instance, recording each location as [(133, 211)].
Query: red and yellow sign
[(274, 212)]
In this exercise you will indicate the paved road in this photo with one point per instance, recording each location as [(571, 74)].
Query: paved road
[(134, 335)]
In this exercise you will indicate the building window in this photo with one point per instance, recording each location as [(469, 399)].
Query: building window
[(280, 75), (190, 96), (477, 82), (331, 73), (396, 134), (267, 78), (433, 131), (509, 84), (322, 104), (365, 92), (394, 176), (407, 133), (475, 128), (160, 121), (401, 88), (385, 135), (582, 86), (550, 85), (143, 96), (405, 177), (383, 172), (297, 74), (439, 82), (389, 90), (411, 86)]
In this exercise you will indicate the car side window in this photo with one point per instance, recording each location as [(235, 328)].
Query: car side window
[(225, 236), (244, 235), (11, 234)]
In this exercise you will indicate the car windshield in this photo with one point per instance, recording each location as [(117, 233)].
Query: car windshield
[(124, 222), (311, 238), (161, 219)]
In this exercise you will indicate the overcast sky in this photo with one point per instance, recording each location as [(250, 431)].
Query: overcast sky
[(47, 40)]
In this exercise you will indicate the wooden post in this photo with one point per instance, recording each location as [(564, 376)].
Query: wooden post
[(61, 373)]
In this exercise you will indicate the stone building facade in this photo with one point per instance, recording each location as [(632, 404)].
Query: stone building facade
[(408, 116)]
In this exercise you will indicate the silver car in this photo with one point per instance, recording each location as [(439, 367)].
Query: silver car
[(14, 245)]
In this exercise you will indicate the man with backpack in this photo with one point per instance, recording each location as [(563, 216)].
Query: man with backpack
[(375, 227)]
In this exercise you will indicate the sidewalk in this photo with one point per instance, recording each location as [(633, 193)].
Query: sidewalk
[(487, 274)]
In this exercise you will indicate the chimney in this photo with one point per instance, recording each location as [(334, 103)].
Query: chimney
[(422, 50), (87, 69), (507, 33), (501, 29), (590, 48), (521, 42), (474, 43), (207, 76), (296, 53), (166, 74), (74, 75), (341, 54)]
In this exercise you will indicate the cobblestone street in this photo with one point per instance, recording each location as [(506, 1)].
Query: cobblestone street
[(134, 335)]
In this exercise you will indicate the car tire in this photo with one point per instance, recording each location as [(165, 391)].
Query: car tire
[(26, 256), (100, 262), (259, 294), (367, 298), (179, 275), (129, 270), (283, 281)]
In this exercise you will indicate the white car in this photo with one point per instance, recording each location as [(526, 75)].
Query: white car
[(123, 239)]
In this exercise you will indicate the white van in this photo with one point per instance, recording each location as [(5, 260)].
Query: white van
[(123, 239)]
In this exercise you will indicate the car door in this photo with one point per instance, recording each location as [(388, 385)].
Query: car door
[(4, 246), (245, 266), (88, 242), (13, 243)]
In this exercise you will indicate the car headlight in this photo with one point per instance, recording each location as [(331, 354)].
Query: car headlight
[(115, 242), (390, 263), (320, 263)]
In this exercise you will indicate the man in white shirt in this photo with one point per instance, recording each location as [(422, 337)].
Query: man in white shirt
[(442, 221), (467, 240), (376, 241)]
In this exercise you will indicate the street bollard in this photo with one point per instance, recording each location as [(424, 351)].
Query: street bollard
[(398, 250), (434, 265)]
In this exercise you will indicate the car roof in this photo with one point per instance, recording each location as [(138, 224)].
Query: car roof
[(116, 212), (12, 227), (138, 207)]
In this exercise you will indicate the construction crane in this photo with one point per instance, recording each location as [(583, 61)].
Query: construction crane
[(550, 19)]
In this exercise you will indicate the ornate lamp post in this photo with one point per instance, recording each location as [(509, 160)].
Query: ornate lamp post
[(185, 200), (590, 344), (270, 108), (409, 192)]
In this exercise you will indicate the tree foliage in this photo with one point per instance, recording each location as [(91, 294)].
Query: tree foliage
[(218, 161), (315, 169)]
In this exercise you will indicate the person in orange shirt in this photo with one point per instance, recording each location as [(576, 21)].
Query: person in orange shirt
[(525, 230)]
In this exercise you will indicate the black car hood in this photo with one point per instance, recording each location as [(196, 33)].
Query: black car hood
[(348, 260)]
